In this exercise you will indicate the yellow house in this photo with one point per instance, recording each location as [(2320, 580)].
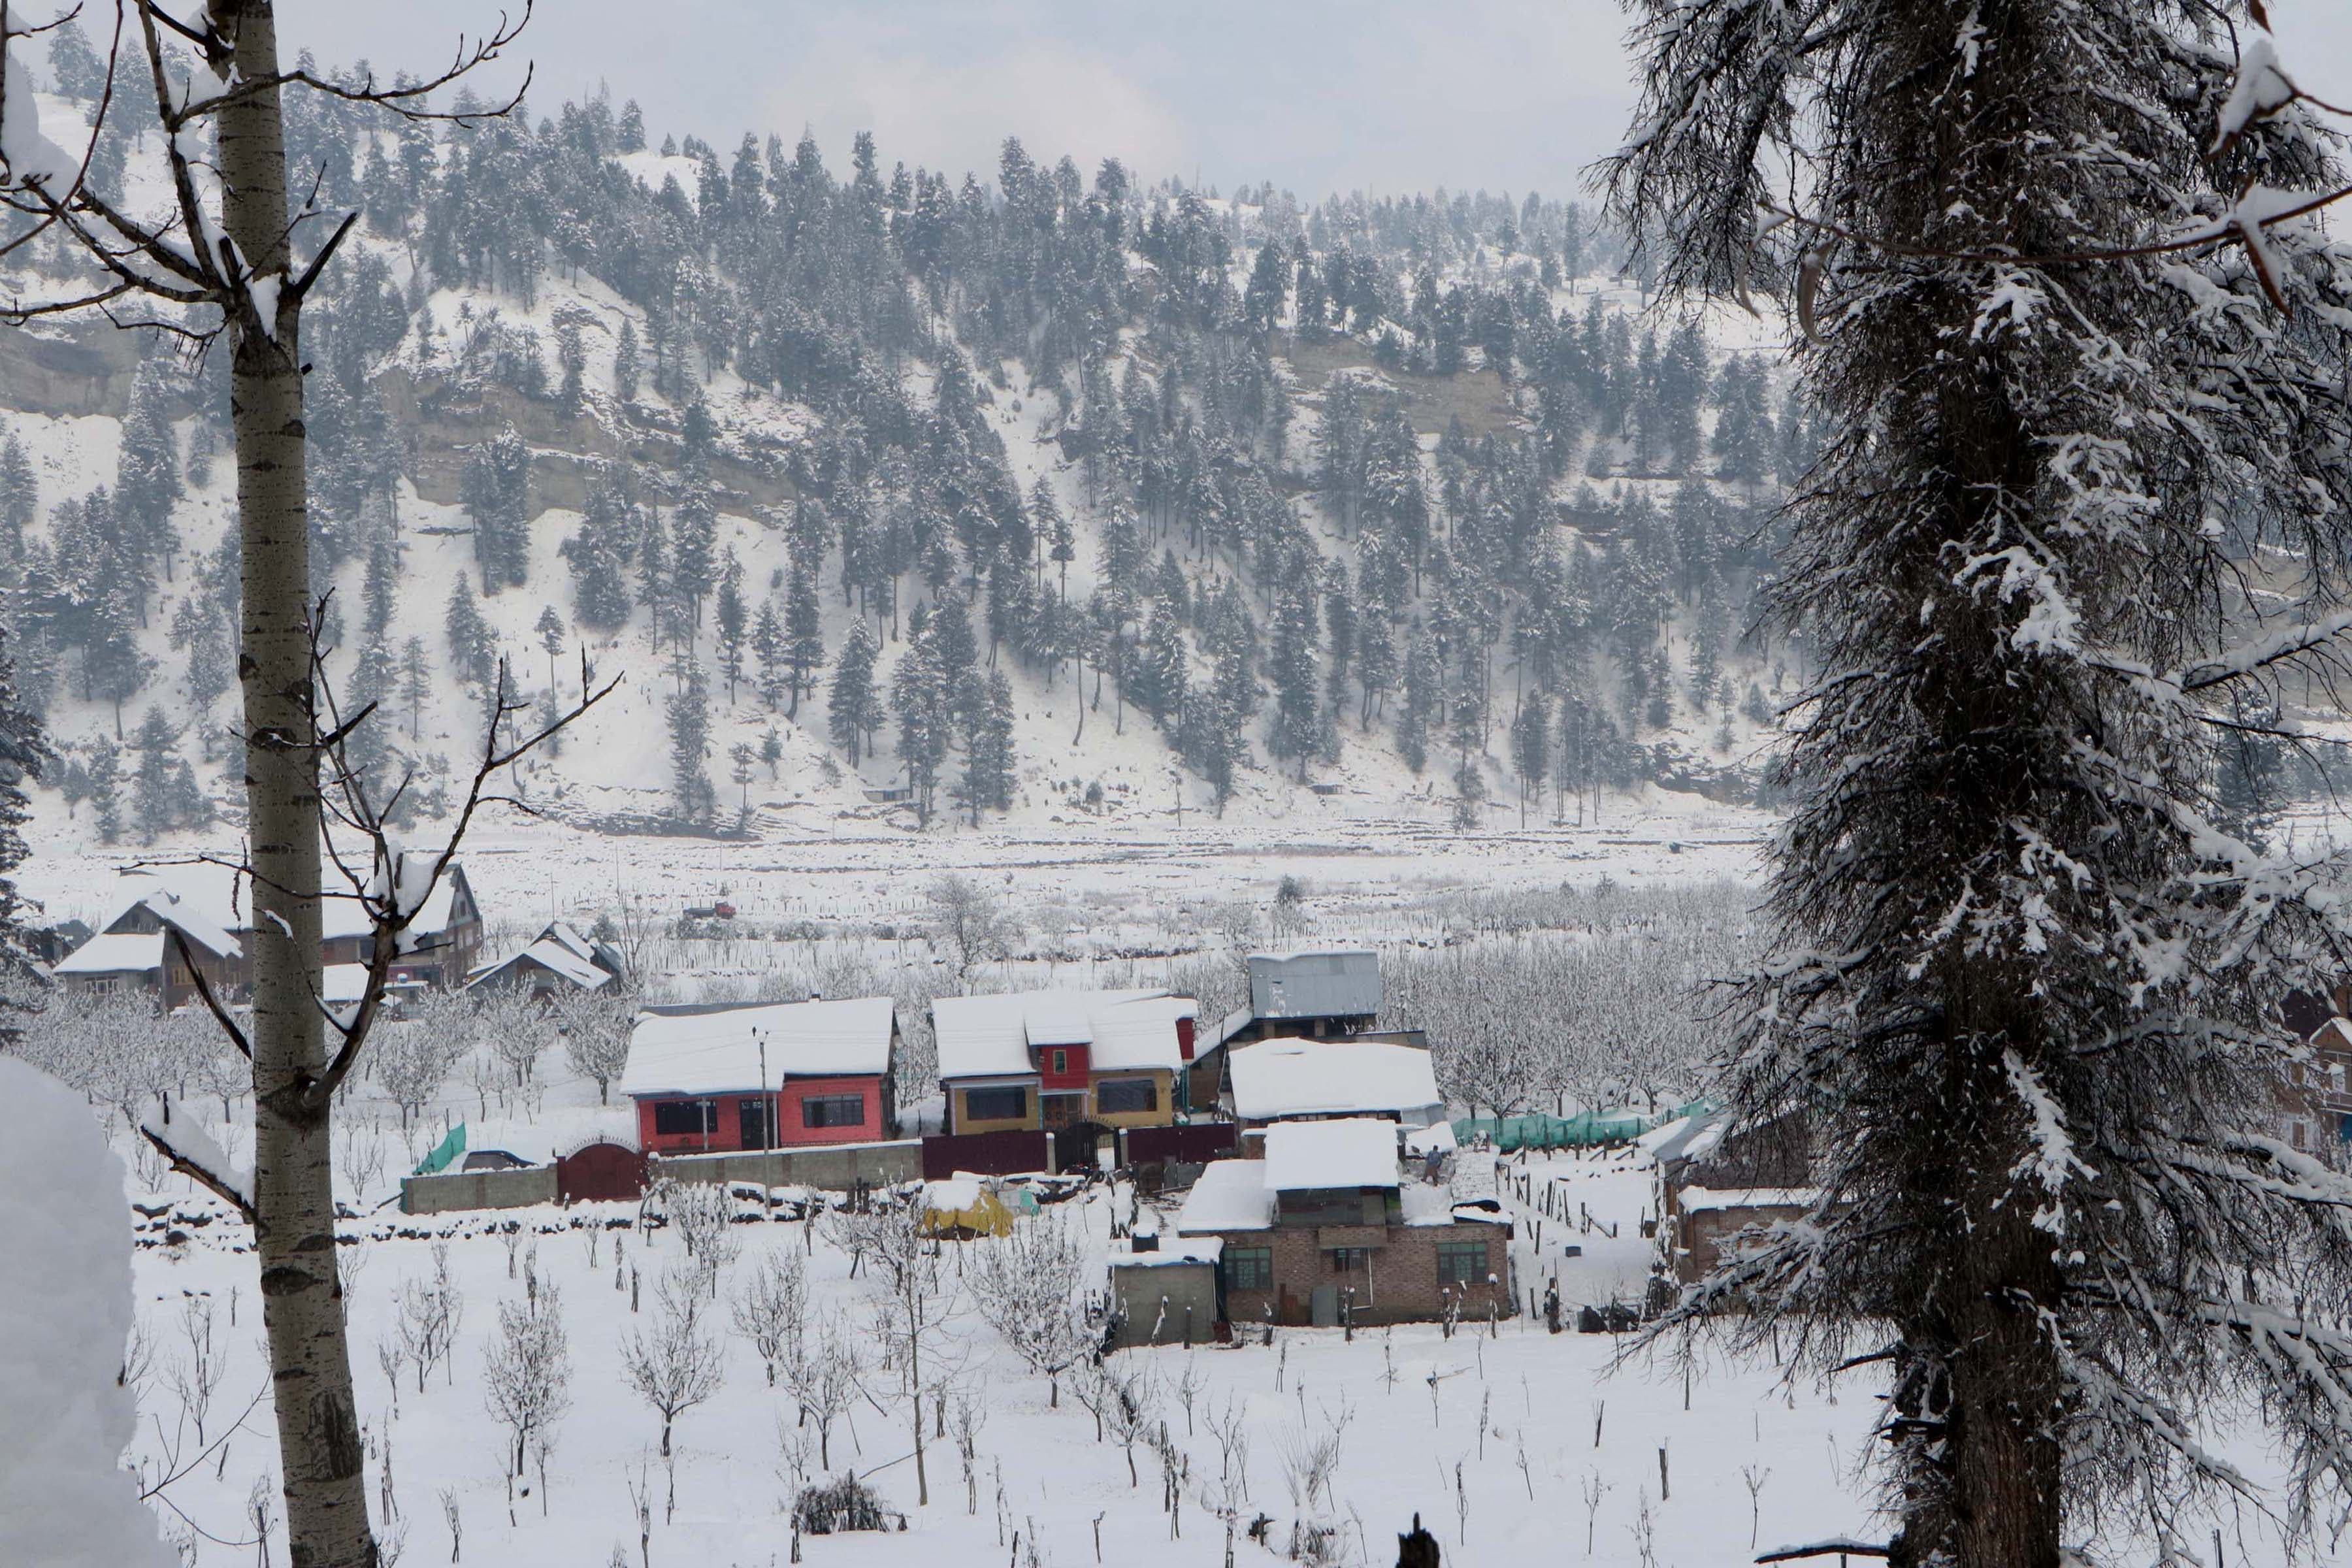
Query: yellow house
[(1056, 1059)]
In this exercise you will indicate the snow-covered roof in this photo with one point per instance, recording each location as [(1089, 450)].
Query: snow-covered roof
[(555, 957), (1704, 1200), (1435, 1138), (1275, 1079), (180, 915), (1303, 1155), (1171, 1250), (1686, 1137), (1230, 1195), (991, 1036), (342, 984), (126, 952), (711, 1052), (207, 897)]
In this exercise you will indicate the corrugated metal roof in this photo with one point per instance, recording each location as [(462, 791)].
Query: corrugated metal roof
[(1335, 984)]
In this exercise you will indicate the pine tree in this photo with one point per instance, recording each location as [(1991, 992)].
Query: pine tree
[(922, 702), (854, 710), (415, 683), (26, 750), (732, 616), (553, 633), (106, 787), (694, 559), (987, 705), (1532, 751), (625, 362), (803, 626), (689, 708), (151, 814), (1291, 665), (1424, 684), (20, 497), (2023, 1001), (473, 652)]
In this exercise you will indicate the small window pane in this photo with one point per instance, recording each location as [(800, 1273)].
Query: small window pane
[(833, 1111), (996, 1104), (1461, 1262), (1127, 1096), (1249, 1269)]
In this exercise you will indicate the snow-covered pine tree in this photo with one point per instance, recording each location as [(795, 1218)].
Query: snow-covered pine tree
[(25, 752), (803, 621), (2024, 1004), (732, 617), (853, 709), (689, 707)]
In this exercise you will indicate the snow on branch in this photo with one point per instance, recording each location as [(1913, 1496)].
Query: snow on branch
[(194, 1153)]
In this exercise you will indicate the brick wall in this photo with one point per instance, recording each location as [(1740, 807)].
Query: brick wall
[(1401, 1286)]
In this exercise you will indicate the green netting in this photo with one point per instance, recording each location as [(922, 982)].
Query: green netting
[(449, 1149), (1585, 1130)]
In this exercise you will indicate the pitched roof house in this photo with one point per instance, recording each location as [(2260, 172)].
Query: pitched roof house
[(1056, 1059), (762, 1075)]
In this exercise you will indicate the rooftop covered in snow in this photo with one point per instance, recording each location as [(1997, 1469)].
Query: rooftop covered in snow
[(1325, 982), (1302, 1156), (1231, 1195), (992, 1036), (715, 1050), (1288, 1078)]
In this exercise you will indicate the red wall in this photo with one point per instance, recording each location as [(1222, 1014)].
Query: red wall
[(1075, 1078), (726, 1133)]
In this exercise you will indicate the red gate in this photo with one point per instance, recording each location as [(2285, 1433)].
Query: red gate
[(610, 1172)]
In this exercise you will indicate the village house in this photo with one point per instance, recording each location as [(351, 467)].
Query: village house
[(1056, 1060), (1321, 995), (762, 1075), (135, 951), (213, 906), (558, 960), (1310, 1081), (2315, 1100), (1323, 1225), (1715, 1183)]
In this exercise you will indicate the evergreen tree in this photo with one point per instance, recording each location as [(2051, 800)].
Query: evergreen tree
[(732, 616), (20, 494), (151, 802), (106, 787), (473, 652), (689, 708), (553, 633), (987, 705), (922, 703), (415, 683), (694, 560), (1532, 751), (26, 751), (598, 555), (803, 625), (625, 362), (854, 710), (768, 647), (1425, 686), (2022, 1003), (1291, 665)]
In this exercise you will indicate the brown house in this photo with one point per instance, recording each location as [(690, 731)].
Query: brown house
[(1323, 1231), (212, 906), (1715, 1183), (2316, 1096)]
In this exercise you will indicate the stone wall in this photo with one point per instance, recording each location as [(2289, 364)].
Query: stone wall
[(834, 1167), (516, 1189), (1400, 1287)]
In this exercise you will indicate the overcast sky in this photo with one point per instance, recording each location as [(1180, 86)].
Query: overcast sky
[(1316, 95)]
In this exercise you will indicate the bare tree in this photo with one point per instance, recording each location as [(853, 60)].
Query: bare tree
[(595, 1027), (527, 1375), (675, 1362), (824, 1379), (772, 1307), (224, 248), (916, 1307), (430, 1311), (975, 928), (1026, 1286)]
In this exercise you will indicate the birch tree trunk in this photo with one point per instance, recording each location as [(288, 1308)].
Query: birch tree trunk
[(326, 1497)]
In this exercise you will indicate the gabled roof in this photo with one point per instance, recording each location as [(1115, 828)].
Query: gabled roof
[(221, 896), (1306, 1155), (551, 956), (116, 952), (1275, 1079), (991, 1036), (714, 1051)]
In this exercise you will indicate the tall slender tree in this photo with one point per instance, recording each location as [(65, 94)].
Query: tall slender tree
[(2043, 276)]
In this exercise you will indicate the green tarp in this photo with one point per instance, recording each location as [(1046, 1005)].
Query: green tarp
[(1585, 1130), (445, 1152)]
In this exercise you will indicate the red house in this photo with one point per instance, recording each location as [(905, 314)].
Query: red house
[(762, 1075)]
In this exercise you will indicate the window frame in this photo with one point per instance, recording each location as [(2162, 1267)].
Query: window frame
[(1258, 1261), (854, 1098), (1020, 1111), (1451, 1255), (1150, 1086), (705, 1113), (1347, 1259)]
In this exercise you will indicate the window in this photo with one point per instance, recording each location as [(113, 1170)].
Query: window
[(1349, 1260), (1461, 1262), (1249, 1269), (995, 1104), (1061, 1061), (683, 1116), (1126, 1096), (833, 1111)]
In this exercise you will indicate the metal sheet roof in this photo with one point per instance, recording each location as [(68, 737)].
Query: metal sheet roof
[(1341, 983)]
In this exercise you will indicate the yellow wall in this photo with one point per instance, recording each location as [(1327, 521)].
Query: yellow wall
[(965, 1123), (1164, 1117)]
